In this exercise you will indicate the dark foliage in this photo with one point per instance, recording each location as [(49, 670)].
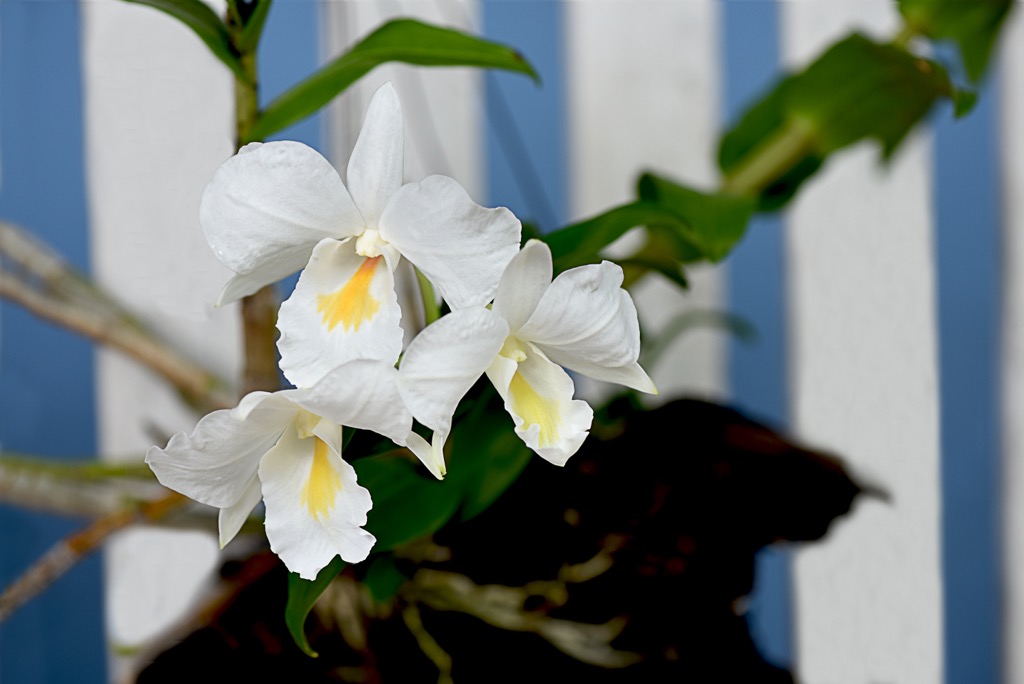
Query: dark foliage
[(680, 500)]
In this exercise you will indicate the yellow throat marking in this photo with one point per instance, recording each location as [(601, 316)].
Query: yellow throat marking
[(323, 485), (353, 303), (534, 409)]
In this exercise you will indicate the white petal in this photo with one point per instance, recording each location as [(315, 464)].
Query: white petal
[(461, 247), (523, 284), (329, 432), (431, 454), (315, 508), (266, 208), (344, 307), (246, 284), (216, 463), (376, 165), (587, 323), (444, 361), (538, 395), (231, 519), (360, 394), (631, 375)]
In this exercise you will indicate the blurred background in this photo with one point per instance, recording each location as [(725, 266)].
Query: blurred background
[(888, 301)]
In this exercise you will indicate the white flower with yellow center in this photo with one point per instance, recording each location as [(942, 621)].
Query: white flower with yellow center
[(285, 447), (583, 321), (275, 208)]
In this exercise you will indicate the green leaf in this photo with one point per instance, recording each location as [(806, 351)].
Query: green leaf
[(683, 226), (582, 243), (664, 252), (862, 89), (302, 595), (401, 40), (253, 30), (383, 578), (752, 138), (857, 89), (972, 24), (486, 456), (406, 505), (205, 23), (712, 223)]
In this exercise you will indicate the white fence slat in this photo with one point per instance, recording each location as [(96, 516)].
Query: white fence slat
[(159, 115), (864, 364), (643, 82), (442, 106), (1012, 150)]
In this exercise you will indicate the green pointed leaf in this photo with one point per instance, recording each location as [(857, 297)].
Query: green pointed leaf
[(401, 40), (857, 89), (253, 30), (713, 223), (205, 23), (683, 226), (664, 252), (302, 595), (752, 137), (406, 505), (582, 243), (973, 24), (862, 89)]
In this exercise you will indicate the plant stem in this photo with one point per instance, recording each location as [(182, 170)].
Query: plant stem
[(771, 159), (259, 311)]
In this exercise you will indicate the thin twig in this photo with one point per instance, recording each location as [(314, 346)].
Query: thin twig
[(504, 607), (38, 280), (63, 556), (428, 644), (97, 489)]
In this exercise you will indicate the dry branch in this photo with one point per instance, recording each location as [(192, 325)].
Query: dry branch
[(40, 281)]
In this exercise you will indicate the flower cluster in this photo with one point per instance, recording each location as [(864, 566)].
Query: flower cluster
[(279, 207)]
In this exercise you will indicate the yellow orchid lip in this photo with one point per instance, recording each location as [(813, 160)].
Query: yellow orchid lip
[(321, 489), (352, 304), (534, 409)]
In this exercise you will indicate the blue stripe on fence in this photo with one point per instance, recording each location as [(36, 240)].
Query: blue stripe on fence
[(289, 52), (46, 374), (526, 142), (757, 371), (968, 275)]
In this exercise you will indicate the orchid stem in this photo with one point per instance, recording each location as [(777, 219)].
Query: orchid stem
[(259, 311)]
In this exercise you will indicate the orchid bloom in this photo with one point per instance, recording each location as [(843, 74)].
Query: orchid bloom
[(275, 208), (583, 321), (285, 447)]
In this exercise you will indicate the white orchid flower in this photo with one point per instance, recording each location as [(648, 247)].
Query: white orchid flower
[(275, 208), (285, 447), (583, 321)]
